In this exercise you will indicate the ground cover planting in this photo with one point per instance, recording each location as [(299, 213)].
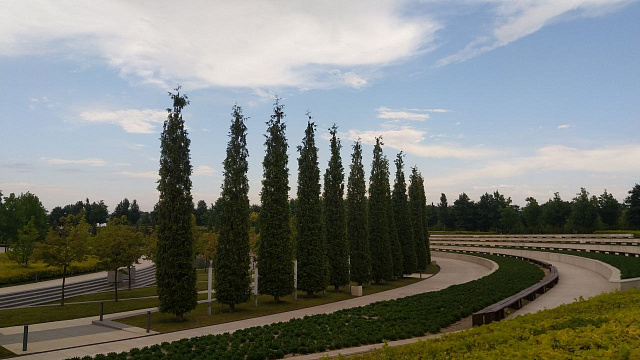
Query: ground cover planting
[(220, 314), (604, 327), (12, 273), (388, 320), (4, 353), (629, 266)]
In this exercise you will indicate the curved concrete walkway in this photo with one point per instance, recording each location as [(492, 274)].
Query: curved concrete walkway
[(452, 272)]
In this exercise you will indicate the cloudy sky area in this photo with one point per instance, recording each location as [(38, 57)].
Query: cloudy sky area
[(526, 97)]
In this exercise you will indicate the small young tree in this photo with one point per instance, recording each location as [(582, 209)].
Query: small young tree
[(66, 244), (311, 244), (175, 275), (21, 249), (357, 219), (275, 250), (379, 230), (117, 246), (232, 279), (334, 216)]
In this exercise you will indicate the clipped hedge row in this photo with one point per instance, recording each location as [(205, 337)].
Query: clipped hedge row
[(12, 273), (604, 327), (386, 320)]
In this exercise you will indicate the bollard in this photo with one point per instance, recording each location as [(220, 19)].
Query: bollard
[(101, 310), (36, 277), (25, 337), (148, 321)]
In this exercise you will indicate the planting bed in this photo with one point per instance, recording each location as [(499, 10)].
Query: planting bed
[(388, 320)]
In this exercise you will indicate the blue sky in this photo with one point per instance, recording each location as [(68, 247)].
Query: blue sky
[(524, 97)]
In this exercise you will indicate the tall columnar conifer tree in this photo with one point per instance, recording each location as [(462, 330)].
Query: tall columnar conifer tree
[(357, 219), (334, 215), (175, 275), (311, 244), (379, 229), (232, 253), (417, 208), (275, 251), (394, 241), (403, 219), (425, 226)]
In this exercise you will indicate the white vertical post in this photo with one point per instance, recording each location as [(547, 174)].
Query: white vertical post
[(255, 283), (295, 280), (209, 286)]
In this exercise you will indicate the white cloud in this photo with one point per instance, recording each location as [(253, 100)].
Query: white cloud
[(613, 159), (139, 174), (564, 126), (517, 19), (132, 120), (350, 79), (386, 113), (411, 140), (276, 43), (89, 161), (203, 170)]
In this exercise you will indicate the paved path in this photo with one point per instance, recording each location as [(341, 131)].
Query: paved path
[(452, 272)]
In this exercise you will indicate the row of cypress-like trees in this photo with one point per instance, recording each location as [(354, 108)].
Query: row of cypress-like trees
[(379, 237)]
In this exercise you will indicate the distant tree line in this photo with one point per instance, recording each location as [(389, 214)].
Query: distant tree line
[(585, 213)]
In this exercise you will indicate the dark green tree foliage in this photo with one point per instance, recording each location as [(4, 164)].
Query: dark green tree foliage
[(201, 212), (633, 202), (417, 209), (122, 209), (379, 230), (175, 275), (444, 215), (403, 219), (555, 213), (532, 215), (275, 251), (465, 212), (232, 254), (396, 248), (357, 219), (584, 212), (609, 210), (311, 244), (334, 216)]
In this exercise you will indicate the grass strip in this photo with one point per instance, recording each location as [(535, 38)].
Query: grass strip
[(5, 354)]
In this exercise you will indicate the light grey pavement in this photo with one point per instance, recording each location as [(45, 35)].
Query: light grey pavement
[(451, 272), (68, 281)]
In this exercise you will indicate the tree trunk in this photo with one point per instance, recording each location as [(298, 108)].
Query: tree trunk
[(179, 317), (309, 294), (116, 284), (232, 308), (276, 298), (336, 288), (64, 278)]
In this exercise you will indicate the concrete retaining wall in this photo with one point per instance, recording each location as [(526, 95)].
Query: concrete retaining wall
[(489, 264), (607, 271)]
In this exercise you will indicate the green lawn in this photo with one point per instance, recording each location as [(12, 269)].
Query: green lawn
[(73, 309), (266, 306), (4, 353), (41, 314)]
